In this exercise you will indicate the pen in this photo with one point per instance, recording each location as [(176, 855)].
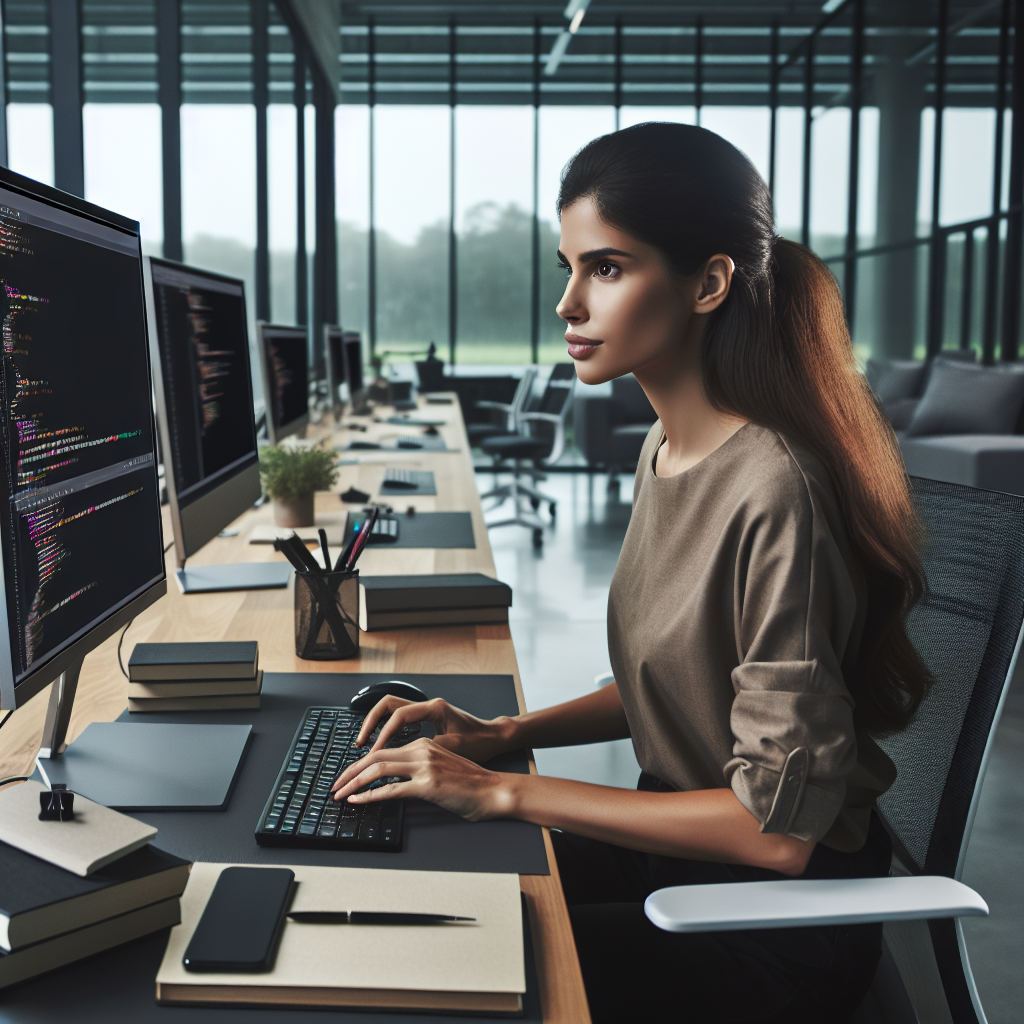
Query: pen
[(364, 538), (370, 917), (323, 547), (343, 558)]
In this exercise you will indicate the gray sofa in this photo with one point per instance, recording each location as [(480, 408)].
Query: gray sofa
[(611, 422), (956, 421)]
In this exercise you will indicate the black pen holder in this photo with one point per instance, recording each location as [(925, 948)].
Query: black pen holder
[(327, 615)]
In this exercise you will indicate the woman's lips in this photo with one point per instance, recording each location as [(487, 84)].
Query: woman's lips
[(580, 347)]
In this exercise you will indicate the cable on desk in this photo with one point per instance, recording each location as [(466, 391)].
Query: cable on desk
[(121, 641)]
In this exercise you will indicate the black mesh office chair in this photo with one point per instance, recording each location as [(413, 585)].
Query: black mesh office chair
[(540, 440), (504, 415), (968, 630)]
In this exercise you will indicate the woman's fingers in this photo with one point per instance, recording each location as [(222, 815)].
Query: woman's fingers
[(370, 774), (423, 711), (385, 706), (364, 763)]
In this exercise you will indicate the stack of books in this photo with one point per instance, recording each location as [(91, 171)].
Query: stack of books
[(454, 599), (69, 889), (221, 676)]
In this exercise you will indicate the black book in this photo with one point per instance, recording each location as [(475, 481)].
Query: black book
[(39, 901), (231, 659), (451, 590)]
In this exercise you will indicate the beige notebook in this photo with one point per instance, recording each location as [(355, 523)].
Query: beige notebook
[(476, 967), (196, 688), (97, 836)]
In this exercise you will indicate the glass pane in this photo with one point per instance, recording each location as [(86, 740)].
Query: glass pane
[(411, 216), (494, 200), (563, 130), (789, 170), (30, 140), (968, 150), (281, 187), (747, 128), (352, 170), (123, 170), (830, 176)]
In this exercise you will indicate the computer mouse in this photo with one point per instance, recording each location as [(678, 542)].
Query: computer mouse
[(433, 431), (408, 443), (370, 695), (363, 444)]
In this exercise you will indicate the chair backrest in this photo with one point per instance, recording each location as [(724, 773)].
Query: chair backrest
[(967, 628), (629, 402)]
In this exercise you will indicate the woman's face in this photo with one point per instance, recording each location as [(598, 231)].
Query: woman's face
[(625, 309)]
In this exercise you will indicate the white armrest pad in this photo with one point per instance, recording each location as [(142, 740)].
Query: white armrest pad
[(792, 904), (548, 417), (486, 404)]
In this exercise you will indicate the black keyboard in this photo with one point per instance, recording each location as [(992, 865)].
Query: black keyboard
[(385, 530), (403, 479), (301, 811)]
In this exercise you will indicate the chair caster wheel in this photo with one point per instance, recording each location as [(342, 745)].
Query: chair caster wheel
[(538, 538), (535, 502)]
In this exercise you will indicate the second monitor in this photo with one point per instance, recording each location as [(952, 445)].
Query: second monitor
[(284, 360)]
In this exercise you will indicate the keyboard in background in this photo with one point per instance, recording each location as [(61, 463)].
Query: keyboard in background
[(385, 530), (301, 812), (404, 479)]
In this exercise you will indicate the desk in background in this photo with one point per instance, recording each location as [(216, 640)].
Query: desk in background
[(267, 615)]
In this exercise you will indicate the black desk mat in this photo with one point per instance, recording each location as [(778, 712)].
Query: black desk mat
[(425, 529), (120, 985), (435, 839), (423, 478)]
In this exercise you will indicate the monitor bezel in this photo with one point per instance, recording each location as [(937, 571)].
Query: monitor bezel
[(14, 695), (277, 433), (234, 492)]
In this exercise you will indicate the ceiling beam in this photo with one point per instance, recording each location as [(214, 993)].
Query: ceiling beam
[(319, 22)]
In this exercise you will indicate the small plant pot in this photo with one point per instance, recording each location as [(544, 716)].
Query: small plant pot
[(291, 513)]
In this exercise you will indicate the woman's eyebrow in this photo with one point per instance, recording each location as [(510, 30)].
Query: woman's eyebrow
[(597, 254)]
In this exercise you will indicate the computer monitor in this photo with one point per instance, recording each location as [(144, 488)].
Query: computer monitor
[(203, 380), (335, 361), (284, 360), (353, 345)]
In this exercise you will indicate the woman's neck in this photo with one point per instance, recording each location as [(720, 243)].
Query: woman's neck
[(693, 427)]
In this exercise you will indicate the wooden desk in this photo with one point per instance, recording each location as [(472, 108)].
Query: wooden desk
[(267, 616)]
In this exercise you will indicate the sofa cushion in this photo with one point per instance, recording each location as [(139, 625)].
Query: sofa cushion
[(963, 398), (991, 462), (901, 411), (893, 379)]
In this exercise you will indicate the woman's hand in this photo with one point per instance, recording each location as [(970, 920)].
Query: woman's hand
[(431, 772), (455, 730)]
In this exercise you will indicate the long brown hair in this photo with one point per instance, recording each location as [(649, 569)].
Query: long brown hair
[(777, 352)]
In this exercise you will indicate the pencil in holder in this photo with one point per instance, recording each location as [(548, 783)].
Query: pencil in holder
[(327, 615)]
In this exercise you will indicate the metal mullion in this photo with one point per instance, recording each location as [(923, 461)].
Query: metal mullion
[(168, 42), (66, 85), (325, 264), (1011, 274), (453, 253), (618, 72), (853, 188), (805, 198), (937, 265), (988, 339), (3, 91), (535, 232), (967, 290), (773, 101), (260, 90), (301, 268), (698, 70), (371, 232)]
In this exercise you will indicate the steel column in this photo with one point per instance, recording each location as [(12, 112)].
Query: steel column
[(168, 44), (3, 93), (325, 262), (773, 104), (301, 259), (967, 291), (535, 226), (260, 97), (453, 252), (805, 198), (937, 262), (853, 189), (1010, 348), (66, 84), (698, 70), (371, 231), (618, 71)]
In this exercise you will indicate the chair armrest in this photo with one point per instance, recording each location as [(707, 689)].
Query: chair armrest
[(486, 404), (544, 417), (735, 906)]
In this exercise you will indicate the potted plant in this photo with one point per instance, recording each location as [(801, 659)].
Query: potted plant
[(291, 475)]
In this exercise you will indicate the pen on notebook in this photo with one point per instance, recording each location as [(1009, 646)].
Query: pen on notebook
[(370, 917)]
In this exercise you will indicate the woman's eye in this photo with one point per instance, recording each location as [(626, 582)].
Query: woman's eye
[(607, 270)]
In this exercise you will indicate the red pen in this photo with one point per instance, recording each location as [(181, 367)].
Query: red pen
[(362, 540)]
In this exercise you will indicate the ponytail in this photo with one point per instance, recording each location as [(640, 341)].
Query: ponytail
[(777, 352)]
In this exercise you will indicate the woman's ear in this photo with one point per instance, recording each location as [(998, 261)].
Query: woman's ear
[(715, 281)]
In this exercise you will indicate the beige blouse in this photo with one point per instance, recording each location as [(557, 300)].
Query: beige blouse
[(734, 612)]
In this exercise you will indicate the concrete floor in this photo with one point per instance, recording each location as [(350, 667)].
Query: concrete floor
[(558, 624)]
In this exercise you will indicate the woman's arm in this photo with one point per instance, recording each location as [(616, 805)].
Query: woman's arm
[(597, 717), (708, 824)]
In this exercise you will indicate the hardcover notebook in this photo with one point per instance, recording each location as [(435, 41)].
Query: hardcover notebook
[(475, 967), (96, 837), (230, 659), (395, 602)]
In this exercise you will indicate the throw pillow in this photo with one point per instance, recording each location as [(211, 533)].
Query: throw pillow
[(901, 412), (891, 379), (964, 398)]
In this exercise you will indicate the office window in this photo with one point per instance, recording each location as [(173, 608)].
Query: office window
[(789, 171), (747, 128), (830, 177), (283, 224), (563, 131), (411, 217), (494, 218), (352, 172), (30, 140)]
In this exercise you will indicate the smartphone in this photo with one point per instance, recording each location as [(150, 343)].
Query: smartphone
[(241, 926)]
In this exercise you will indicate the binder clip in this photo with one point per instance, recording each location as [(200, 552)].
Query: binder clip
[(57, 804)]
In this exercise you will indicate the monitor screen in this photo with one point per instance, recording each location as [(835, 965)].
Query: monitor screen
[(207, 382), (286, 377), (353, 361), (79, 500)]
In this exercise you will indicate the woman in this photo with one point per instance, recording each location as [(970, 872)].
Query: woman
[(756, 616)]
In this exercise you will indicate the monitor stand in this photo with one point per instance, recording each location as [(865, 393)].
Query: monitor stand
[(140, 766), (206, 579)]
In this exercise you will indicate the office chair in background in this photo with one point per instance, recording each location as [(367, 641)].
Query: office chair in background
[(504, 415), (539, 441), (967, 629)]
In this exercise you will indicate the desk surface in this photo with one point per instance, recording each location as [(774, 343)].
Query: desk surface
[(267, 616)]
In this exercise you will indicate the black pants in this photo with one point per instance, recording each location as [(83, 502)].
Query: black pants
[(636, 972)]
